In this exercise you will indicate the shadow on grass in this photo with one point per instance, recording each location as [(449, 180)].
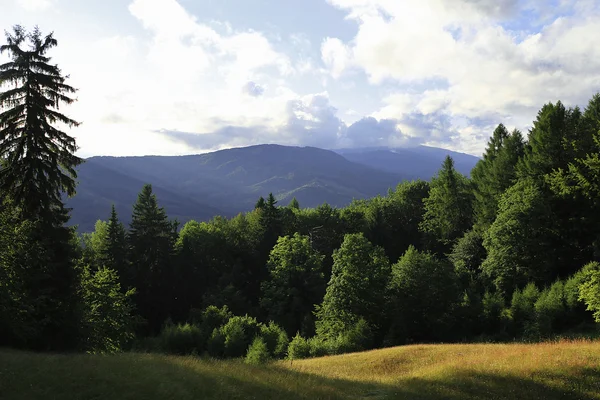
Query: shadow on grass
[(137, 376)]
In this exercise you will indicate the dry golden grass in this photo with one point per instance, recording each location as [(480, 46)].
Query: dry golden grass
[(562, 370), (565, 369)]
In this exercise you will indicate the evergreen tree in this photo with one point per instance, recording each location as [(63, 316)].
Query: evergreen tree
[(40, 161), (294, 204), (551, 141), (114, 251), (151, 245), (38, 167), (448, 209), (495, 173)]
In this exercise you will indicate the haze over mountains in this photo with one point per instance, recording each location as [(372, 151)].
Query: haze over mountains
[(230, 181)]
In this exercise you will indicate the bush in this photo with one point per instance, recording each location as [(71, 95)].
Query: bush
[(522, 309), (358, 338), (216, 344), (589, 290), (550, 309), (275, 338), (298, 348), (239, 333), (181, 339), (258, 352), (319, 347)]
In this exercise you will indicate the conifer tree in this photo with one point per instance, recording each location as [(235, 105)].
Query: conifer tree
[(495, 173), (448, 209), (114, 251), (38, 167), (40, 161), (151, 245)]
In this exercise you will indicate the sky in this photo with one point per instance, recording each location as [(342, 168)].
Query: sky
[(172, 77)]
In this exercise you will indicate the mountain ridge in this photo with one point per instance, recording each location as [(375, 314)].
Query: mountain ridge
[(226, 182)]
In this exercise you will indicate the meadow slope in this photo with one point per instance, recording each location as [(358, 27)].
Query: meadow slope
[(562, 370)]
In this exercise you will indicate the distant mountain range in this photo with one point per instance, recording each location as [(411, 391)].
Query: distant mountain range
[(230, 181)]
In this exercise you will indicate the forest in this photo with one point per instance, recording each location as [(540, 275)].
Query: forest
[(511, 253)]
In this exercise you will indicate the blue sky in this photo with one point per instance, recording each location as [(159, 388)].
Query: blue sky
[(188, 76)]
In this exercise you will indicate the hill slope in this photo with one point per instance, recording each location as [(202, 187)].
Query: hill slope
[(566, 370), (226, 182), (422, 161)]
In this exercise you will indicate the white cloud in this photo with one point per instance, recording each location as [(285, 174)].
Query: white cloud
[(35, 5), (336, 56), (488, 71)]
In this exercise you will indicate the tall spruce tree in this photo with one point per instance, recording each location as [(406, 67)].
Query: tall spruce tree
[(495, 173), (114, 251), (448, 209), (39, 166), (40, 158), (151, 245)]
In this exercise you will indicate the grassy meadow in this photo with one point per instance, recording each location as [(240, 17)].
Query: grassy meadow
[(554, 370)]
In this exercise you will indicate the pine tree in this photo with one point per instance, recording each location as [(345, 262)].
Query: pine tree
[(38, 167), (114, 252), (151, 244), (495, 173), (448, 209), (40, 161)]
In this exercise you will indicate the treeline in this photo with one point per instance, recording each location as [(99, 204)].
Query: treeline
[(509, 254)]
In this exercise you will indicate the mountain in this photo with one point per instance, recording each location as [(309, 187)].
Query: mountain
[(225, 182), (420, 162), (100, 187)]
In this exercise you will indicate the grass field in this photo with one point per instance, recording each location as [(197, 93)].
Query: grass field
[(562, 370)]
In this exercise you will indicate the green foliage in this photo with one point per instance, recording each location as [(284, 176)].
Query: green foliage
[(238, 334), (423, 293), (258, 352), (276, 339), (38, 282), (107, 313), (494, 317), (448, 209), (298, 348), (181, 339), (40, 159), (357, 287), (467, 256), (589, 291), (295, 282), (358, 338), (495, 173), (216, 344), (521, 243), (151, 241), (551, 309), (522, 309)]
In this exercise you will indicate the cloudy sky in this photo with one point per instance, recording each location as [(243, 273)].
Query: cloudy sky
[(188, 76)]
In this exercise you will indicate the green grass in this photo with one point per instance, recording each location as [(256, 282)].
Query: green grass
[(561, 370)]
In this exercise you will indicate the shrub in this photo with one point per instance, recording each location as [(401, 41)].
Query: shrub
[(550, 309), (298, 348), (522, 308), (589, 290), (258, 352), (216, 344), (358, 338), (275, 338), (319, 347), (181, 339), (239, 333)]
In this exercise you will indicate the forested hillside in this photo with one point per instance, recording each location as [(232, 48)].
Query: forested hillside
[(227, 182), (510, 253)]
